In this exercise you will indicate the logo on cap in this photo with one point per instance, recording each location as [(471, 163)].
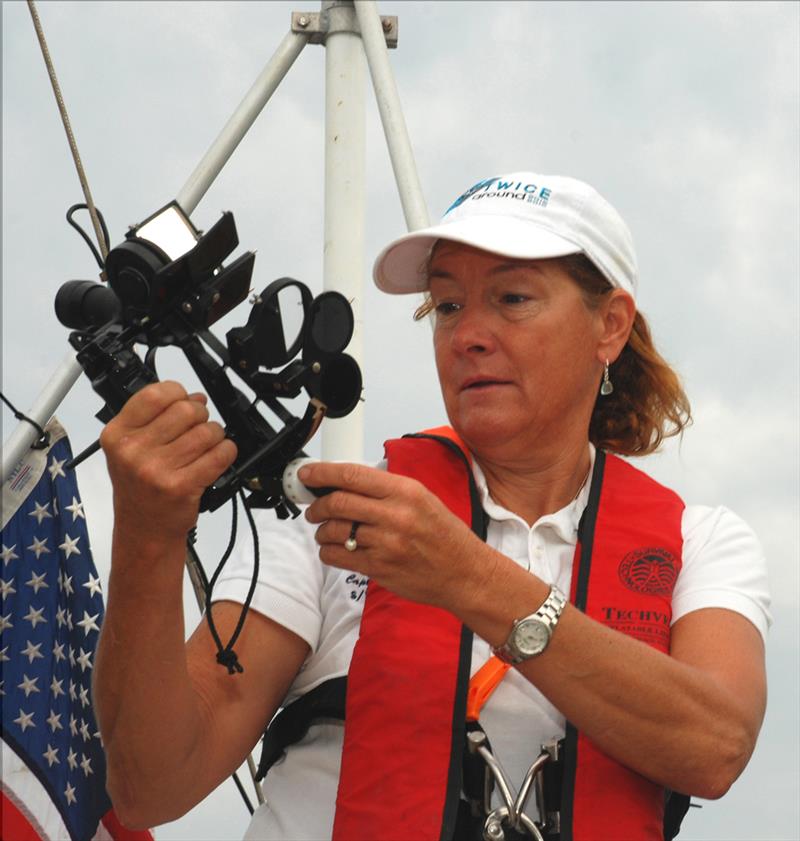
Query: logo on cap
[(496, 188), (481, 185)]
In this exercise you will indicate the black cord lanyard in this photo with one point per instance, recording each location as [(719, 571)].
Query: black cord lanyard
[(226, 656)]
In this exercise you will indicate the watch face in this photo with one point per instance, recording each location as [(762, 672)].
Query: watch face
[(531, 637)]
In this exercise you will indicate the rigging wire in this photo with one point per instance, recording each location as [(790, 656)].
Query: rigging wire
[(62, 108)]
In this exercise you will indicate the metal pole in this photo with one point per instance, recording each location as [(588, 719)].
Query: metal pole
[(394, 125), (241, 120), (41, 411), (343, 250)]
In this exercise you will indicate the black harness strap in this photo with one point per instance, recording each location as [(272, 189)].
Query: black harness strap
[(586, 538), (675, 808), (291, 724)]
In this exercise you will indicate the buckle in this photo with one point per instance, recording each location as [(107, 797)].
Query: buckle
[(510, 817)]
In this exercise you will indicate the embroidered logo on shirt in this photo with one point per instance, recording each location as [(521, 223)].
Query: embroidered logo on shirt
[(651, 570)]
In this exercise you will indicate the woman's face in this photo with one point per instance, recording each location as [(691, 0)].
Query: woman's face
[(516, 350)]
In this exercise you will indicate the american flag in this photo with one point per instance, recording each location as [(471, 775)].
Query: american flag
[(50, 617)]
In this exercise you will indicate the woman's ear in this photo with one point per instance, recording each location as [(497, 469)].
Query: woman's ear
[(617, 313)]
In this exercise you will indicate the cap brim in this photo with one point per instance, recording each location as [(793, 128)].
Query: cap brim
[(402, 266)]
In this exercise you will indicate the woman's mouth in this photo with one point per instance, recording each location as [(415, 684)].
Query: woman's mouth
[(482, 384)]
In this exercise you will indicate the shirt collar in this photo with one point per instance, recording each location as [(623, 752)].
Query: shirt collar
[(564, 521)]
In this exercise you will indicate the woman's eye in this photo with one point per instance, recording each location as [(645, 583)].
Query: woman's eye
[(514, 298), (446, 308)]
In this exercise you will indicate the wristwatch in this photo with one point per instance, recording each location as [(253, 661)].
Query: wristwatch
[(531, 635)]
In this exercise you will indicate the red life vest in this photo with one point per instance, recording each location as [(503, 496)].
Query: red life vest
[(406, 697)]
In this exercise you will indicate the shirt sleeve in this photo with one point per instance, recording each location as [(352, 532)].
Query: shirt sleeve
[(723, 566), (290, 574)]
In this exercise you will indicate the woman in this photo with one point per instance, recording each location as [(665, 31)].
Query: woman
[(473, 540)]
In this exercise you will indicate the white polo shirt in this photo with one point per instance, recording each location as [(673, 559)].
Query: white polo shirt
[(723, 566)]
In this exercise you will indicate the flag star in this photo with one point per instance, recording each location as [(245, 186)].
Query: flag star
[(40, 512), (66, 584), (28, 685), (71, 655), (88, 623), (73, 727), (72, 759), (37, 582), (54, 720), (94, 585), (84, 696), (86, 764), (76, 509), (57, 468), (25, 720), (58, 652), (84, 728), (2, 691), (70, 545), (6, 588), (51, 755), (4, 658), (35, 616), (61, 617), (8, 554), (69, 793), (72, 693), (83, 660), (55, 687), (32, 652), (39, 547), (5, 622)]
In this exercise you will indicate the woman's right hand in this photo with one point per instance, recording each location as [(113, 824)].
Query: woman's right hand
[(162, 452)]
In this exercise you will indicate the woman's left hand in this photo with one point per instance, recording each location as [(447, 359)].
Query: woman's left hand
[(408, 541)]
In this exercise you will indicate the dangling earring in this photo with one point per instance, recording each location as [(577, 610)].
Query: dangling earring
[(607, 386)]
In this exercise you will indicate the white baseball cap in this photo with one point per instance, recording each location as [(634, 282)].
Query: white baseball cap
[(522, 215)]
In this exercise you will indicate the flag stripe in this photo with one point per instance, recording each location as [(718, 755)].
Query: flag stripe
[(120, 833), (15, 825), (30, 797)]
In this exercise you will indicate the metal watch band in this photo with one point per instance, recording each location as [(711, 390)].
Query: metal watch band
[(548, 614), (550, 611)]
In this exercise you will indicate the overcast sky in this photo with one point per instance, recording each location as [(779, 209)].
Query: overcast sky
[(684, 115)]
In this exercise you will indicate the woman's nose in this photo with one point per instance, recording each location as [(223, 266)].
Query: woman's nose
[(474, 332)]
